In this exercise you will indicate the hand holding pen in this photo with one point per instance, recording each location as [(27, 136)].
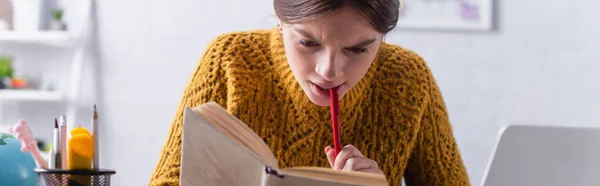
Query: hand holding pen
[(348, 158)]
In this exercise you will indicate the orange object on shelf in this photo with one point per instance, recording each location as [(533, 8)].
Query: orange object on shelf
[(19, 83)]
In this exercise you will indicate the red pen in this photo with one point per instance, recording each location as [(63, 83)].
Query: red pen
[(335, 120)]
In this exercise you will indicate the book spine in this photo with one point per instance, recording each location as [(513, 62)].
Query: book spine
[(268, 179)]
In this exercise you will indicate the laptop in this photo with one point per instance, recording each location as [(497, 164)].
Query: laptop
[(545, 156)]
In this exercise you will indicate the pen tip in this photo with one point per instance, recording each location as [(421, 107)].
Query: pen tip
[(55, 123), (95, 112)]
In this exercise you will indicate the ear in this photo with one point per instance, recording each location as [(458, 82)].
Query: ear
[(401, 5), (279, 25)]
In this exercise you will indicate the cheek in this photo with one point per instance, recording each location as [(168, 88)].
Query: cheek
[(359, 68), (300, 62)]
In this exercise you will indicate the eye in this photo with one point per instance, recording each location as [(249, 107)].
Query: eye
[(357, 50), (308, 43)]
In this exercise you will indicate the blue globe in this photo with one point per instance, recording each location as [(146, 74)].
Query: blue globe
[(16, 167)]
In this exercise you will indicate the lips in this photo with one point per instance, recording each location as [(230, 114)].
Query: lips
[(326, 86), (323, 89)]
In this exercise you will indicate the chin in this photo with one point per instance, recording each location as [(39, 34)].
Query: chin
[(319, 101), (314, 98)]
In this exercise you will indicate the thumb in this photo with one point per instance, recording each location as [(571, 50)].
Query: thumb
[(330, 155)]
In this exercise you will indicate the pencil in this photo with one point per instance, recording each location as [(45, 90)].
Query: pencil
[(63, 142), (335, 117), (95, 160), (56, 155), (52, 159)]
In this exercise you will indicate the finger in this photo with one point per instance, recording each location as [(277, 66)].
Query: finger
[(327, 149), (330, 155), (374, 168), (355, 164), (349, 151)]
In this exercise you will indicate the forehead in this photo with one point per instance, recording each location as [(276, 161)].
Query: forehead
[(345, 24)]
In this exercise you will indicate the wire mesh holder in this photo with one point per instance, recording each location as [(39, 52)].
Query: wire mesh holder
[(61, 177)]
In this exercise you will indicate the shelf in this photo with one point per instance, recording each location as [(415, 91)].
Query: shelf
[(29, 95), (40, 37)]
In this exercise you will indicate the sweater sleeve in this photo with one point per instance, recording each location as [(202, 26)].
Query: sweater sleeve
[(435, 158), (207, 84)]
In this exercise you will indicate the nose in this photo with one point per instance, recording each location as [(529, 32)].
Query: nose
[(329, 68)]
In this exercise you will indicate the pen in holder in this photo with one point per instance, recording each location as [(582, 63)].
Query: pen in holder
[(46, 177), (74, 161)]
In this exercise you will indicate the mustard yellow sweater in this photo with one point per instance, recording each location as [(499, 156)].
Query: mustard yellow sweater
[(395, 115)]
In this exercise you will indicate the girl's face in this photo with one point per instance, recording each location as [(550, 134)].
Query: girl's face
[(334, 50)]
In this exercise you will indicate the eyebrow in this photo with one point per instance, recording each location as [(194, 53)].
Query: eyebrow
[(304, 33), (359, 45), (365, 43)]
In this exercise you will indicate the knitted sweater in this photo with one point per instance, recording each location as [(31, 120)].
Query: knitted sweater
[(395, 115)]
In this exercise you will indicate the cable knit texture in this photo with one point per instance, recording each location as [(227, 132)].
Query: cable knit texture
[(395, 115)]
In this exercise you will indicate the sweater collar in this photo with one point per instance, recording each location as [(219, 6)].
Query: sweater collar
[(301, 101)]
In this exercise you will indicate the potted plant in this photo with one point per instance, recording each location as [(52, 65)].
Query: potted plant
[(57, 20), (6, 71)]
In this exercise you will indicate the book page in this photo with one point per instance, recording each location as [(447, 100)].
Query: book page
[(222, 129), (237, 130), (359, 178), (294, 180), (209, 157)]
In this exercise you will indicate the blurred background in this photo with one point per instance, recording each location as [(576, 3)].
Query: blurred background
[(497, 63)]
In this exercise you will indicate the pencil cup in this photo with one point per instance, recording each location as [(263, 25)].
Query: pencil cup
[(59, 177)]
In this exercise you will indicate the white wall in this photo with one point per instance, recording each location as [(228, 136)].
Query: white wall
[(538, 67), (148, 50)]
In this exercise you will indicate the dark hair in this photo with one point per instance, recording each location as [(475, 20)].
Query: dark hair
[(382, 14)]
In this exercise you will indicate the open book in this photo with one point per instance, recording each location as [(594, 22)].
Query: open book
[(219, 149)]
